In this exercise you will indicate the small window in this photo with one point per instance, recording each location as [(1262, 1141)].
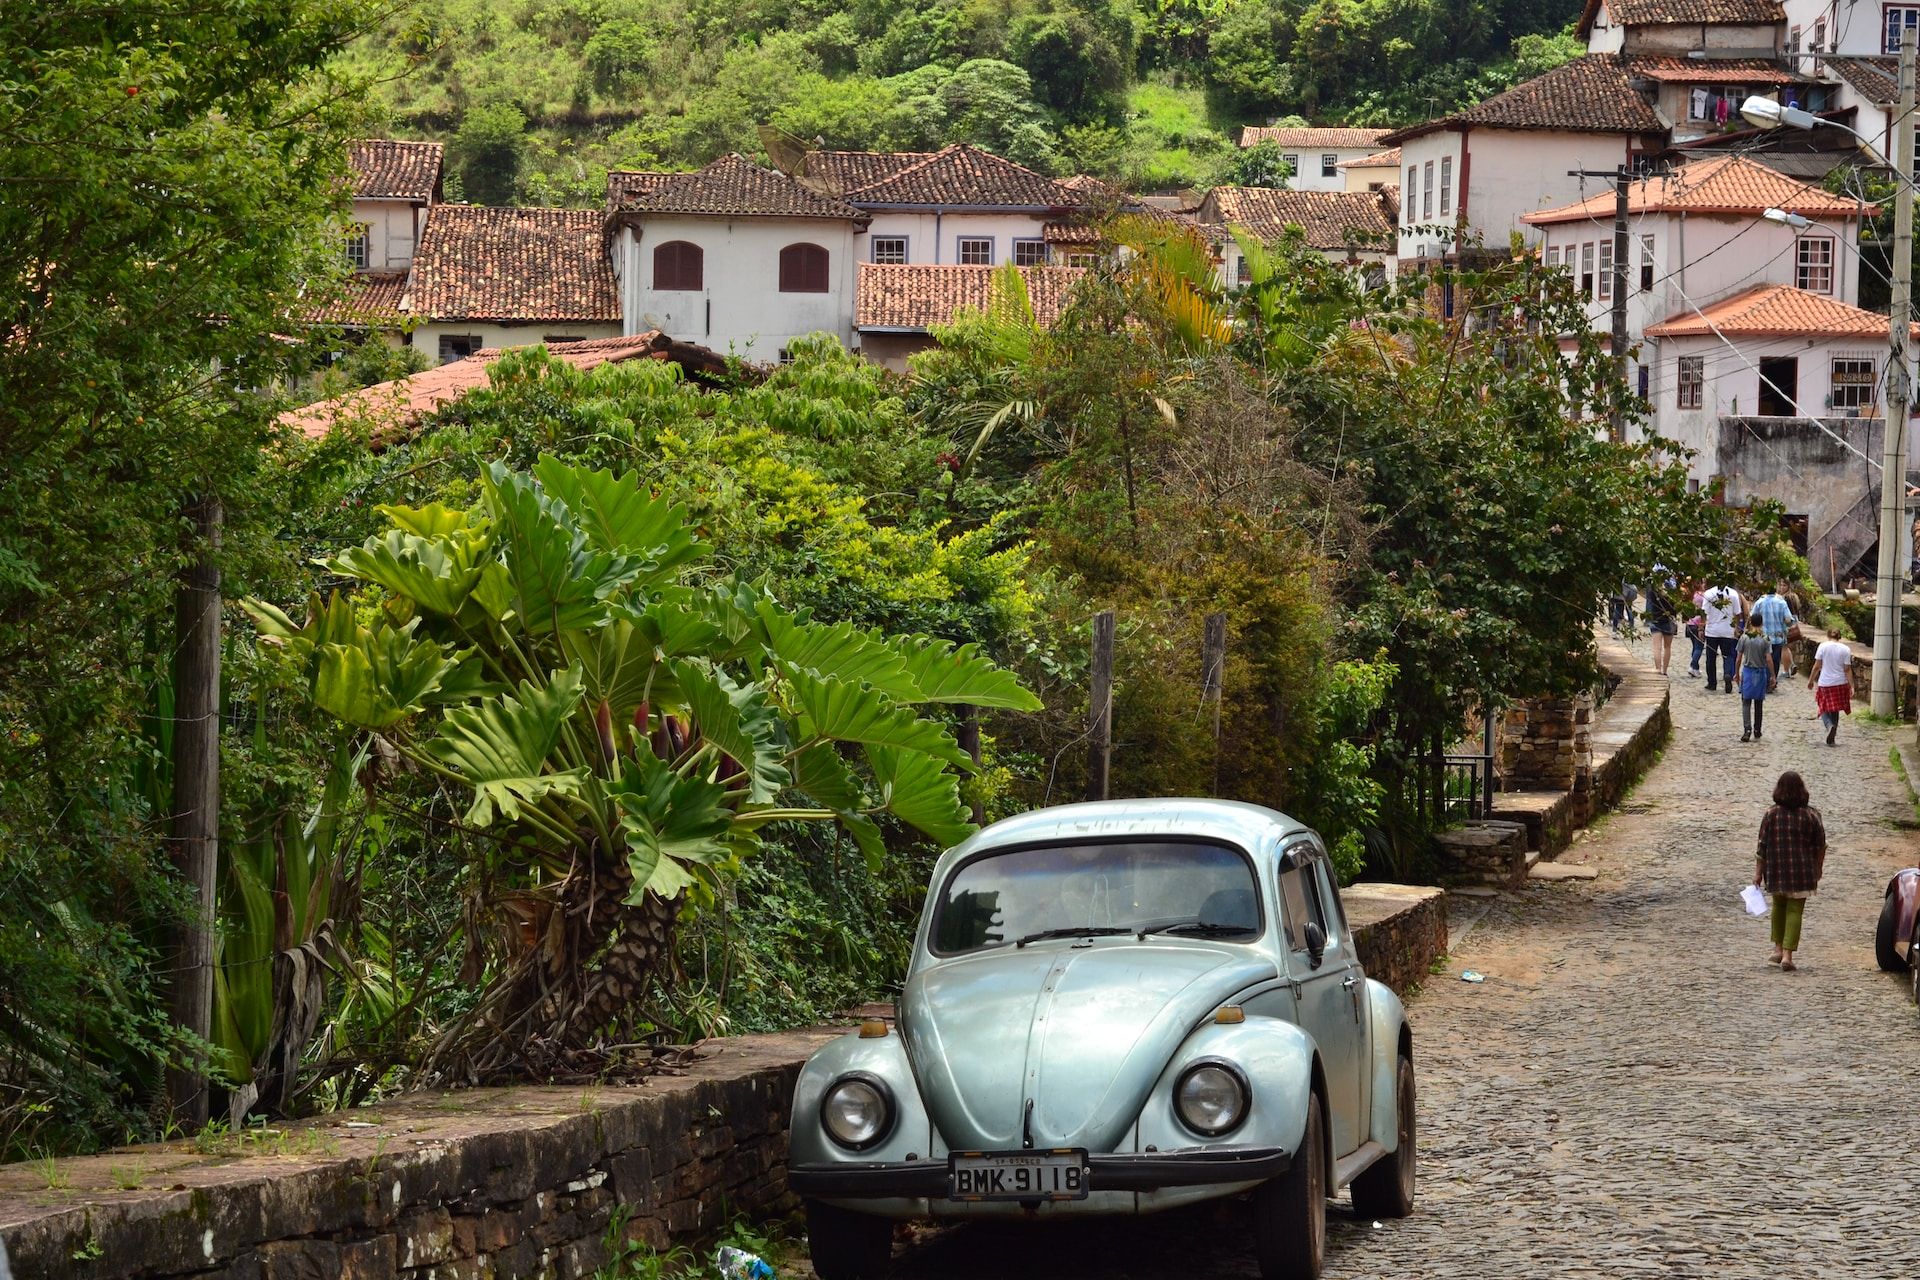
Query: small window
[(1814, 272), (1293, 165), (890, 249), (1242, 270), (1793, 39), (1551, 258), (679, 265), (360, 246), (1855, 382), (1605, 281), (1646, 264), (1426, 191), (1085, 261), (1645, 375), (1586, 269), (1691, 384), (803, 269), (1900, 19), (1410, 194), (457, 346), (976, 251), (1446, 186), (1300, 898), (1329, 166), (1029, 253)]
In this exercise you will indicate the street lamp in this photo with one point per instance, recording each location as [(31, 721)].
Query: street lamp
[(1765, 113), (1797, 221)]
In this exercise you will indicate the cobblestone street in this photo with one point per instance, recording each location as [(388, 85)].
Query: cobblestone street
[(1634, 1091)]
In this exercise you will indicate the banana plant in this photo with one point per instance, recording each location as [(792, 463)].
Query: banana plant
[(624, 720)]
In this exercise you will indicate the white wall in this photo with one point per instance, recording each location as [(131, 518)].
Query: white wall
[(1851, 28), (935, 237), (1604, 36), (1509, 172), (1306, 170), (427, 336), (740, 307), (394, 231), (1418, 229)]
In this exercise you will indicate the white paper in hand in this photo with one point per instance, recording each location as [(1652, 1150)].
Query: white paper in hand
[(1754, 900)]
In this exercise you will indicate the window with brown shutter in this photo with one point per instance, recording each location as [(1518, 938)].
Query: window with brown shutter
[(679, 264), (803, 269)]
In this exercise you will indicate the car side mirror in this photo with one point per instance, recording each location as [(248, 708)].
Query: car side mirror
[(1316, 943)]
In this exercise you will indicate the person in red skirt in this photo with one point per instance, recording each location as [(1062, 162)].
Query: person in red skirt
[(1831, 679)]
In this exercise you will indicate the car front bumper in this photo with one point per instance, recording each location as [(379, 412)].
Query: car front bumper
[(1106, 1171)]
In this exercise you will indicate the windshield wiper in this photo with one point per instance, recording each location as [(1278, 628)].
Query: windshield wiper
[(1073, 931), (1198, 928)]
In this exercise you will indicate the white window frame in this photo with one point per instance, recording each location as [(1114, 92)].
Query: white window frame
[(360, 246), (873, 250), (1293, 165), (1446, 186), (1030, 243), (1648, 276), (1426, 192), (961, 244), (1894, 19), (1813, 271), (1690, 382), (449, 340), (1861, 390), (1083, 261), (1603, 279), (1586, 281), (1329, 165)]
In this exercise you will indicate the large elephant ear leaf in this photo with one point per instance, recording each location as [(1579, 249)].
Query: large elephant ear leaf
[(740, 721), (618, 514), (500, 747), (674, 826), (841, 651), (944, 672), (614, 662), (555, 581), (436, 573), (918, 790), (846, 712), (435, 520), (823, 776), (381, 677)]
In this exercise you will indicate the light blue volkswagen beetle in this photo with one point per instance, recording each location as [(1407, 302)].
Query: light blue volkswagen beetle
[(1117, 1008)]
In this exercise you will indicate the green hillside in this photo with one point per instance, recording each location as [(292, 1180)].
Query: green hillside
[(540, 97)]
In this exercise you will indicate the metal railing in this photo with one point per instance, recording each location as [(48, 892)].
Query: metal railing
[(1467, 790)]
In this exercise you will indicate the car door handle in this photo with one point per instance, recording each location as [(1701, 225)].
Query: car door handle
[(1350, 983)]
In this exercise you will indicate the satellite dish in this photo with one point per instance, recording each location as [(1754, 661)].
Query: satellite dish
[(788, 153)]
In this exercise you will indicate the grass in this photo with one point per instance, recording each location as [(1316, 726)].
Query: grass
[(48, 1170), (260, 1139), (1173, 139), (630, 1260)]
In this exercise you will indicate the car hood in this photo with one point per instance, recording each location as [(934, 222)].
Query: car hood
[(1081, 1032)]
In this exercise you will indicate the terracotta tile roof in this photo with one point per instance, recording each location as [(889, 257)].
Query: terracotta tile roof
[(1390, 202), (1726, 184), (1591, 94), (1331, 219), (630, 184), (1388, 159), (1655, 13), (843, 171), (394, 408), (1073, 233), (1775, 311), (1290, 136), (1713, 70), (369, 298), (735, 186), (1875, 79), (384, 169), (919, 295), (962, 175), (513, 265)]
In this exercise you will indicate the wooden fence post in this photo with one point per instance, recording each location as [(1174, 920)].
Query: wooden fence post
[(1213, 674), (1100, 707), (195, 826)]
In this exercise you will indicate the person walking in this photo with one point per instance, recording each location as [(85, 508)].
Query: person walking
[(1788, 861), (1694, 593), (1720, 609), (1756, 679), (1831, 679), (1662, 620), (1775, 617)]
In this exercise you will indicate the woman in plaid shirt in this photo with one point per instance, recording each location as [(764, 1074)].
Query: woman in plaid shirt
[(1788, 862)]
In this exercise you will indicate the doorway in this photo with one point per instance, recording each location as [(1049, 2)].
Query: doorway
[(1779, 386)]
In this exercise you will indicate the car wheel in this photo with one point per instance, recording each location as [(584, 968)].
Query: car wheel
[(846, 1245), (1290, 1212), (1385, 1188), (1883, 949)]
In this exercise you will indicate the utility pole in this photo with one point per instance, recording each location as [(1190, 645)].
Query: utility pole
[(1622, 180), (1893, 464)]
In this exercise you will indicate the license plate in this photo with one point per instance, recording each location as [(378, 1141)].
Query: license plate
[(1057, 1174)]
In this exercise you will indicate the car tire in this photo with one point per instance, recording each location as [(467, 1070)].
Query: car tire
[(845, 1245), (1384, 1189), (1290, 1212), (1883, 948)]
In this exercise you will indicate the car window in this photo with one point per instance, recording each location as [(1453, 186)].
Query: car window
[(1003, 897), (1300, 896), (1332, 914)]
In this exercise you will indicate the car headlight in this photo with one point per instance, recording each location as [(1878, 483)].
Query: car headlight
[(857, 1111), (1211, 1098)]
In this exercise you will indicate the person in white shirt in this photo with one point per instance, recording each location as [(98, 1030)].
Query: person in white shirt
[(1721, 608), (1831, 680)]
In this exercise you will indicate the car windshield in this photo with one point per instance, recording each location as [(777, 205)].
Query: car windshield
[(1065, 890)]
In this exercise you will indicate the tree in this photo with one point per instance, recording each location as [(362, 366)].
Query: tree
[(171, 171), (487, 152), (624, 728), (1260, 165)]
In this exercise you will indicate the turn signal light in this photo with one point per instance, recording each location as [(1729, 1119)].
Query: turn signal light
[(1230, 1014), (873, 1029)]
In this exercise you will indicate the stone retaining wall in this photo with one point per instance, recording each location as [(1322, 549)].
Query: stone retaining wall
[(488, 1184)]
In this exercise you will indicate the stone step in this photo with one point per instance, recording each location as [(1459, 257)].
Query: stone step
[(1563, 871)]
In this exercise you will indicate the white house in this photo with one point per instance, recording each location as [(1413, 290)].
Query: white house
[(1316, 154), (1698, 237), (1473, 175), (1847, 26), (1729, 27), (734, 256), (487, 278), (1354, 227), (395, 185)]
